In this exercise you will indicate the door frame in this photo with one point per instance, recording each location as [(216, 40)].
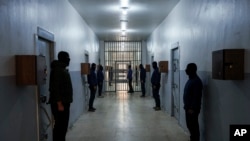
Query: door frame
[(47, 36)]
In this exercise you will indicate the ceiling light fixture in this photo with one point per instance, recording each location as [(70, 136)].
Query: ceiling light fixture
[(123, 32), (124, 3), (124, 10), (123, 24), (123, 27), (123, 21)]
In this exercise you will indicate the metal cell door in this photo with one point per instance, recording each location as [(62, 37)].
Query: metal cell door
[(85, 84), (45, 48), (175, 83), (121, 75), (117, 57)]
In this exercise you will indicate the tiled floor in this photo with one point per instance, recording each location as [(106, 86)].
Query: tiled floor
[(125, 117)]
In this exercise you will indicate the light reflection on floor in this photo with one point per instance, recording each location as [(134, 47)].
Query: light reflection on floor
[(121, 86), (126, 117)]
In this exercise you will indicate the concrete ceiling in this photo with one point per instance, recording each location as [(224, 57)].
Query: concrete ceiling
[(104, 16)]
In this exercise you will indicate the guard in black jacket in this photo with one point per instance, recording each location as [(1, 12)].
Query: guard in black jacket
[(142, 79), (192, 101), (92, 80), (156, 84), (61, 95), (100, 78)]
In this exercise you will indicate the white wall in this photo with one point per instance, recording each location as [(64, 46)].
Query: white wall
[(19, 20), (200, 27)]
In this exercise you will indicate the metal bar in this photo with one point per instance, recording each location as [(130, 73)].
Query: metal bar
[(116, 56)]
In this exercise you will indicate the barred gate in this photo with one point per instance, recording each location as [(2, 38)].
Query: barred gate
[(118, 55)]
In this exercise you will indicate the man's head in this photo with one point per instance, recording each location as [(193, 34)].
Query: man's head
[(191, 69), (140, 66), (63, 56), (93, 66), (154, 64), (129, 66), (100, 67)]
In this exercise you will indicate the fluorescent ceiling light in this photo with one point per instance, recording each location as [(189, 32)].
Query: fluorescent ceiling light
[(123, 27), (124, 3), (123, 21), (124, 24), (124, 10), (123, 32)]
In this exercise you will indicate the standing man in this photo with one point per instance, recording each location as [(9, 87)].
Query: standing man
[(129, 77), (192, 101), (110, 75), (100, 78), (92, 80), (155, 81), (143, 79), (136, 76), (61, 95)]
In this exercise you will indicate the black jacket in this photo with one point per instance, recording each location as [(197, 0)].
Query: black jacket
[(156, 78), (100, 76), (193, 93), (60, 85), (143, 75), (92, 78)]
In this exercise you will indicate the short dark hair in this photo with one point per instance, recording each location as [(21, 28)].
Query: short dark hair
[(192, 67), (62, 55), (93, 65), (154, 63), (141, 66), (100, 67)]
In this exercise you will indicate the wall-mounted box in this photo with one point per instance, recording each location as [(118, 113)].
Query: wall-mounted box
[(163, 66), (228, 64), (85, 68), (30, 70), (147, 67)]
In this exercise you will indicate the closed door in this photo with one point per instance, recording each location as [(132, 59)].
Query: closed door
[(85, 84), (45, 48), (121, 83), (175, 83)]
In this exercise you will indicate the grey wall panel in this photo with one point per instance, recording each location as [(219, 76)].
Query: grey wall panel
[(78, 105), (17, 111), (227, 102)]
